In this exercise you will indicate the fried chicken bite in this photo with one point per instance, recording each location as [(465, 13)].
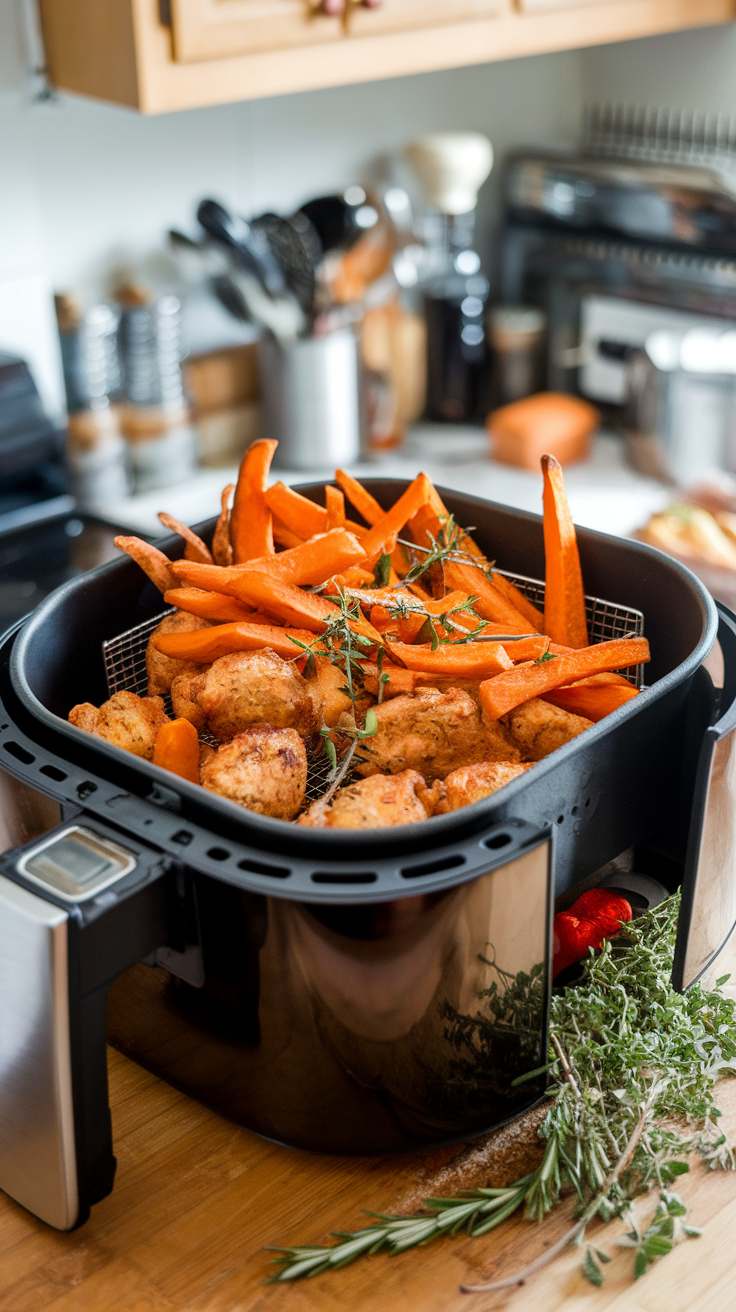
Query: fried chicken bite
[(162, 670), (375, 803), (539, 728), (326, 688), (433, 732), (243, 689), (128, 721), (473, 782), (263, 769)]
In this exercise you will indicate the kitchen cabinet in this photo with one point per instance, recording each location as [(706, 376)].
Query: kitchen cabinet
[(207, 29), (161, 55)]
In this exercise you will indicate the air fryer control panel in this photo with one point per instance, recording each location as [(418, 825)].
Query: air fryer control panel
[(76, 864)]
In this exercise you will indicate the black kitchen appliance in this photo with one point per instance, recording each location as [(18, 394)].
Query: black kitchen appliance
[(634, 233), (346, 991)]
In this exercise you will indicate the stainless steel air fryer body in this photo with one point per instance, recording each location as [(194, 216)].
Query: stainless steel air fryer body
[(336, 990)]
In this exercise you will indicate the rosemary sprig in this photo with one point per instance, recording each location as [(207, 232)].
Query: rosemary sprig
[(632, 1070)]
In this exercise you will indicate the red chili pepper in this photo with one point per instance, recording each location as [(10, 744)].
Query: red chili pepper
[(595, 916)]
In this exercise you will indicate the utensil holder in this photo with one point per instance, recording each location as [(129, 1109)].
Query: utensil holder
[(311, 398)]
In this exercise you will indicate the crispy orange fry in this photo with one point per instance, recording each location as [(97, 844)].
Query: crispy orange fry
[(251, 530), (152, 561), (502, 693), (359, 496), (472, 660), (593, 700), (312, 563), (513, 594), (195, 548), (302, 516), (382, 536), (335, 507), (496, 604), (210, 605), (306, 610), (283, 536), (564, 599), (399, 681), (207, 645), (177, 749), (222, 550)]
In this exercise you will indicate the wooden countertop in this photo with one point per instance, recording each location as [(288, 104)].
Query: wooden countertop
[(196, 1199)]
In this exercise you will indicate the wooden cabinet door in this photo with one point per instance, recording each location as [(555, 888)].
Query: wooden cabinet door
[(540, 6), (402, 15), (212, 29)]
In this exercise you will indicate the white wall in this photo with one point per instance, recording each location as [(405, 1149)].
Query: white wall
[(86, 187), (686, 70)]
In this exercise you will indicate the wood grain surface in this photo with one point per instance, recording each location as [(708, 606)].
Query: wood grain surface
[(197, 1199)]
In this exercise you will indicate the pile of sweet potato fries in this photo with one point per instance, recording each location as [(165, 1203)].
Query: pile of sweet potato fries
[(409, 586)]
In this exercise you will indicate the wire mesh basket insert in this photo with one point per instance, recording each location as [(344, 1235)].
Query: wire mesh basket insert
[(125, 658)]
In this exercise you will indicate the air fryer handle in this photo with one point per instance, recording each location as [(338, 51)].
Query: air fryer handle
[(57, 961), (708, 910)]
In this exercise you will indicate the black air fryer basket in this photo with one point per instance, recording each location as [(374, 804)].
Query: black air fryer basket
[(340, 990)]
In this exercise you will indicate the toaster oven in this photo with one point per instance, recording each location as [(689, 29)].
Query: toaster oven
[(342, 991)]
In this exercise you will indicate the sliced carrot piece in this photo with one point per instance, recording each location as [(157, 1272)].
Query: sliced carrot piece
[(359, 496), (152, 561), (335, 507), (195, 548), (564, 599), (222, 550), (502, 693), (207, 645), (251, 529), (513, 594), (210, 605), (593, 700), (472, 660), (177, 749), (306, 610), (310, 563)]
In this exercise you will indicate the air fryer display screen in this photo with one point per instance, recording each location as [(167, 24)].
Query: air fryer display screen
[(77, 864)]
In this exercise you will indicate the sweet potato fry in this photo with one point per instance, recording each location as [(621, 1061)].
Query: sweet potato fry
[(311, 563), (222, 550), (335, 507), (195, 548), (283, 536), (382, 536), (251, 530), (300, 515), (358, 496), (472, 660), (220, 641), (593, 700), (152, 561), (399, 681), (177, 749), (502, 693), (564, 599), (210, 605), (513, 594), (305, 610)]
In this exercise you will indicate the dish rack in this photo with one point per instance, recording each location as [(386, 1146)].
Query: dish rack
[(125, 660)]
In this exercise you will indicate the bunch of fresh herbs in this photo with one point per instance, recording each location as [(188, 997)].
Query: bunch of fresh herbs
[(631, 1073)]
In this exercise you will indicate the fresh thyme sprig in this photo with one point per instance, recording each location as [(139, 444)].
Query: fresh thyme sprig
[(632, 1069)]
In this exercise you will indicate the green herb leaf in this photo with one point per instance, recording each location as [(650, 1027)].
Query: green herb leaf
[(591, 1270), (546, 656), (382, 571)]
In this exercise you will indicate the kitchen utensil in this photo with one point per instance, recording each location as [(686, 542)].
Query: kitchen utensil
[(313, 984), (289, 250), (311, 399), (250, 244)]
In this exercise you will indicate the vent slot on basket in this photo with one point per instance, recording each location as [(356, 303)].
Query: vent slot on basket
[(433, 867)]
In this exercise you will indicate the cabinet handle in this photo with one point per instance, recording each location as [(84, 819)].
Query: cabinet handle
[(337, 8)]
